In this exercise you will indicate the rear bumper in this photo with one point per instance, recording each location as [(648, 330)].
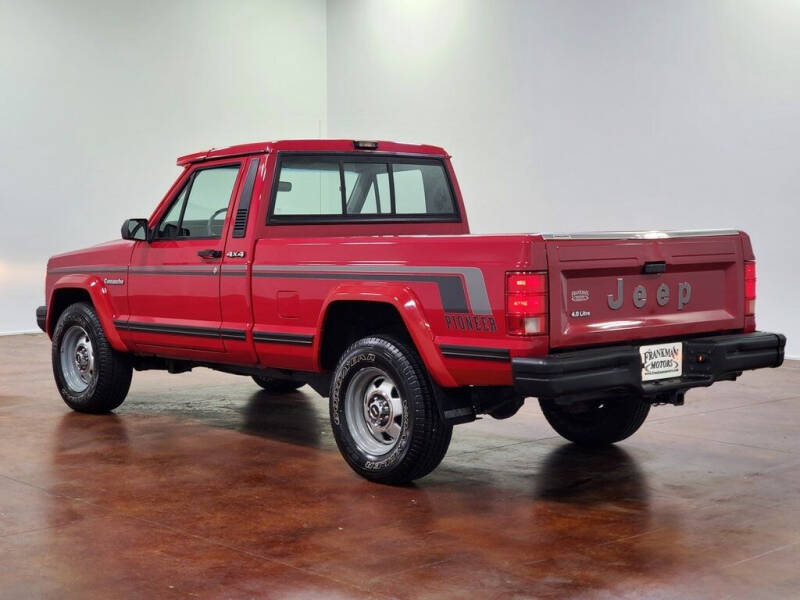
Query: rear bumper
[(41, 318), (618, 368)]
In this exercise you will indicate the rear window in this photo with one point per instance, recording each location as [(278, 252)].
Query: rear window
[(309, 187), (358, 188)]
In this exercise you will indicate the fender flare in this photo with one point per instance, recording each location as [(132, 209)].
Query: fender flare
[(410, 310), (98, 293)]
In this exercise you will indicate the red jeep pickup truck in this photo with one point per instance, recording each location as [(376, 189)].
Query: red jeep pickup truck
[(349, 266)]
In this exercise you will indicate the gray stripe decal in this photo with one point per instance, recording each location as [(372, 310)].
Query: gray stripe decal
[(177, 270), (473, 278), (447, 278), (451, 290), (89, 269), (234, 270)]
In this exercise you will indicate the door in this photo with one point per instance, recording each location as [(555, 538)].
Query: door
[(174, 280)]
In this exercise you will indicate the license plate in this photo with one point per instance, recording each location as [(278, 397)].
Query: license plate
[(661, 361)]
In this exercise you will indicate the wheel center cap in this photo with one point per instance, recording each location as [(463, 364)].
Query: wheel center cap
[(378, 411), (82, 358)]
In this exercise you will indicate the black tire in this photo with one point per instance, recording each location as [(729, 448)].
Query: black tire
[(597, 423), (423, 436), (110, 377), (278, 386)]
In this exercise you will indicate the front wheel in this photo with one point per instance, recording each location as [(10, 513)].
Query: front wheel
[(383, 412), (597, 422), (91, 376)]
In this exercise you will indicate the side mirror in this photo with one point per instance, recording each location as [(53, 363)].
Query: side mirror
[(134, 229)]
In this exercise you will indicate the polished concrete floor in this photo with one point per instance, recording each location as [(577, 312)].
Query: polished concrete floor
[(203, 486)]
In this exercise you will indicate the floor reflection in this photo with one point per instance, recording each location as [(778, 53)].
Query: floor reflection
[(296, 418), (101, 438), (546, 509), (577, 475)]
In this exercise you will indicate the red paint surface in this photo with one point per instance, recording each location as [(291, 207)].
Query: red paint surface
[(713, 266)]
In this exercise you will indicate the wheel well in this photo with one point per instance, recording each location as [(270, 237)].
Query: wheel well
[(62, 298), (349, 320)]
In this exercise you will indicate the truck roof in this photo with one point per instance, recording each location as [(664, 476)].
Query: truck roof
[(313, 146)]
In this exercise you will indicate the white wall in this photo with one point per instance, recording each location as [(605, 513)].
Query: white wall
[(578, 115), (98, 98), (561, 115)]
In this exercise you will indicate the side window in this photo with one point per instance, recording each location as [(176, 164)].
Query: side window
[(199, 210), (169, 226), (309, 187)]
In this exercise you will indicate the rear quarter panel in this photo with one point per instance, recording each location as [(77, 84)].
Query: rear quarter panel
[(457, 281)]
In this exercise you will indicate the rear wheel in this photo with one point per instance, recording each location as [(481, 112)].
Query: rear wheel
[(91, 376), (278, 386), (597, 422), (383, 413)]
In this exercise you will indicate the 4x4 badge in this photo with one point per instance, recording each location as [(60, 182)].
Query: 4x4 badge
[(235, 254)]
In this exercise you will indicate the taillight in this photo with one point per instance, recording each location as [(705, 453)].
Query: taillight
[(749, 287), (526, 303)]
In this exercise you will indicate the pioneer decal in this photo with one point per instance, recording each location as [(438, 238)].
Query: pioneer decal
[(469, 322), (640, 297)]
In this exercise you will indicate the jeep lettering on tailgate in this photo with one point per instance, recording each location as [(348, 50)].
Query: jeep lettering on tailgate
[(640, 295)]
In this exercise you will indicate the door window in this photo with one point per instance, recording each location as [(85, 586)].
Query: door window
[(200, 208)]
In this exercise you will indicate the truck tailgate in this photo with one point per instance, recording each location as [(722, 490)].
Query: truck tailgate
[(611, 290)]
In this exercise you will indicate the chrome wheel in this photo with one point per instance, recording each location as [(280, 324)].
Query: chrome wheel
[(77, 358), (374, 410)]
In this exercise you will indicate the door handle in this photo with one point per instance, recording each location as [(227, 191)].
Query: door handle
[(209, 253), (655, 266)]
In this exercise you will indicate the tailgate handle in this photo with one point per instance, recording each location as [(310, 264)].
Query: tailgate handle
[(658, 266)]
